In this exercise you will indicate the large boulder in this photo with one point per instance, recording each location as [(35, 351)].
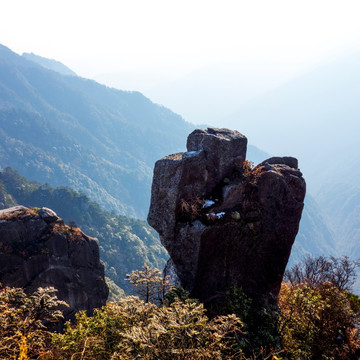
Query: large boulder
[(37, 250), (223, 221)]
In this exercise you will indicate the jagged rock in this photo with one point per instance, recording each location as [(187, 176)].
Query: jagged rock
[(222, 222), (39, 250), (47, 215)]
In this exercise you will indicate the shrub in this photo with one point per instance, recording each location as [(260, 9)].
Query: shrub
[(260, 320), (319, 316), (131, 328), (182, 331), (250, 171), (97, 337), (176, 293), (23, 320), (315, 271)]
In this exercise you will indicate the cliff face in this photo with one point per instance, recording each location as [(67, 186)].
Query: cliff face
[(37, 250), (223, 222)]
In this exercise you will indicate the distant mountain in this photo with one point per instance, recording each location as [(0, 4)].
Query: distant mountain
[(315, 236), (316, 118), (208, 93), (125, 244), (49, 64), (67, 130), (341, 202)]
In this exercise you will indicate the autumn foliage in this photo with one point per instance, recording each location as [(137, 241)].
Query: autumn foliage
[(23, 320), (316, 319)]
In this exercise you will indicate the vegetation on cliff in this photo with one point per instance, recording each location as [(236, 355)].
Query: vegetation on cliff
[(125, 243), (314, 321)]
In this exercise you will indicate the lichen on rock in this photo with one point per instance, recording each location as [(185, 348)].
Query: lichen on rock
[(223, 221)]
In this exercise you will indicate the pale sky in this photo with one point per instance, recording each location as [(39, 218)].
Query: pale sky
[(95, 37), (146, 45)]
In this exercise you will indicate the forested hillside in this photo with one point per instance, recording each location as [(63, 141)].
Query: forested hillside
[(69, 131), (66, 130), (125, 244)]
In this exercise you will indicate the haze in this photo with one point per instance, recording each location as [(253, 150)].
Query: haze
[(203, 59), (284, 73)]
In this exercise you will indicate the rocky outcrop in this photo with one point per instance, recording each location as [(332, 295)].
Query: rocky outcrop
[(37, 250), (223, 221)]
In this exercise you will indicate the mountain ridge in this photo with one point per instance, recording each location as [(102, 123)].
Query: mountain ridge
[(70, 131), (50, 64), (115, 128)]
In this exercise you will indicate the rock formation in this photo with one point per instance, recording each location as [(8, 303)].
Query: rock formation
[(37, 250), (223, 221)]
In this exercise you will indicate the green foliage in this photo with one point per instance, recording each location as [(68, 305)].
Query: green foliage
[(260, 322), (6, 199), (318, 323), (96, 337), (23, 320), (315, 322), (182, 331), (237, 302), (176, 293), (319, 317)]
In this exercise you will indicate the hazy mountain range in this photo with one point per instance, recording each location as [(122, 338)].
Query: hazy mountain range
[(49, 64), (315, 117), (71, 131), (66, 130), (207, 94)]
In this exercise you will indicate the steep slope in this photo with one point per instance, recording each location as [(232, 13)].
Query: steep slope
[(41, 150), (125, 244), (111, 137), (6, 200)]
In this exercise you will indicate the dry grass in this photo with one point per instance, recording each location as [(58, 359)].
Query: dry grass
[(71, 233), (191, 208), (19, 214)]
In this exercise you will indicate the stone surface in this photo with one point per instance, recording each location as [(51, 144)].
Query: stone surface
[(48, 215), (39, 250), (222, 222)]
